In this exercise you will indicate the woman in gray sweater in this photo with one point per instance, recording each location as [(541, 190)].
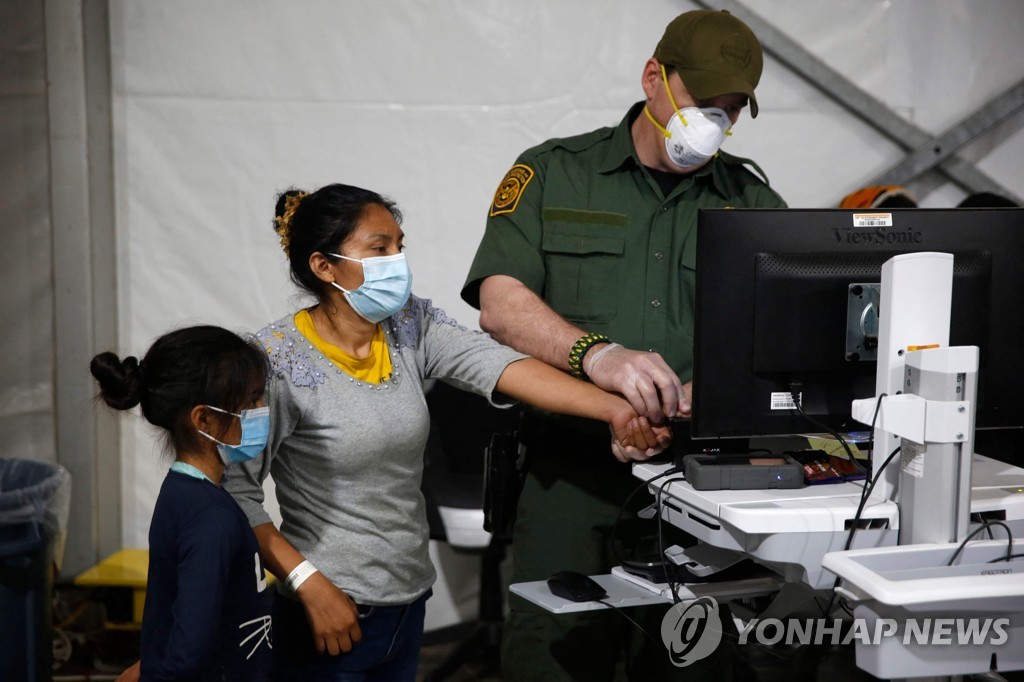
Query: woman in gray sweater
[(349, 428)]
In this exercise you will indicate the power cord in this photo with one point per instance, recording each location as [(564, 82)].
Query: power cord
[(642, 565), (866, 493), (978, 518), (798, 402), (623, 613), (1009, 536), (670, 575), (1006, 558)]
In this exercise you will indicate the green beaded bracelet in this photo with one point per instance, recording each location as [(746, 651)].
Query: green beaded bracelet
[(579, 350)]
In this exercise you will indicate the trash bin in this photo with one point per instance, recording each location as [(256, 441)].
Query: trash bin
[(34, 501)]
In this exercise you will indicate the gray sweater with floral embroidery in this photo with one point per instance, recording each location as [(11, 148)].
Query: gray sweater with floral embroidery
[(347, 457)]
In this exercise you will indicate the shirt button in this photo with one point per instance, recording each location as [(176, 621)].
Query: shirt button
[(664, 208), (655, 303), (659, 255), (652, 350)]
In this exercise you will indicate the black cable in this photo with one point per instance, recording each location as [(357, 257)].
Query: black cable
[(842, 441), (725, 631), (978, 518), (622, 612), (856, 518), (1009, 535), (618, 518), (866, 493), (670, 574), (1005, 558)]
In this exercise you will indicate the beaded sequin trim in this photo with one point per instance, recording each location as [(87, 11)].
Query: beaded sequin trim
[(293, 357), (287, 359), (407, 323)]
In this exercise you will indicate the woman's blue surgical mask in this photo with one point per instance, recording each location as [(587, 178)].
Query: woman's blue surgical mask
[(255, 432), (387, 282)]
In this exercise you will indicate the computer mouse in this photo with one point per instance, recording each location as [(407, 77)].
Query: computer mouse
[(575, 586)]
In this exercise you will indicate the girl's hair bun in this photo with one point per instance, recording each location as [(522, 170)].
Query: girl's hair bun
[(121, 382)]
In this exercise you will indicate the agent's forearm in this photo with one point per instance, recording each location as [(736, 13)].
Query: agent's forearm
[(517, 317)]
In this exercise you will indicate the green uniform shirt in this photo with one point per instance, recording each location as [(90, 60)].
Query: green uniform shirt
[(586, 227)]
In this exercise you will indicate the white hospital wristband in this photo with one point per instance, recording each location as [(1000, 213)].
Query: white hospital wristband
[(299, 575)]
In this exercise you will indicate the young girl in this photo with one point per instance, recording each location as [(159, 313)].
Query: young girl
[(207, 611)]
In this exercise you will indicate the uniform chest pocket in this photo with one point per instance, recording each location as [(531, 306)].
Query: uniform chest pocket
[(583, 257)]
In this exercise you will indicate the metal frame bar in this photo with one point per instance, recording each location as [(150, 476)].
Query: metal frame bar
[(936, 151), (876, 114)]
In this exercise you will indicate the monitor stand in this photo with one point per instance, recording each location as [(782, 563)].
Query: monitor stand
[(934, 573)]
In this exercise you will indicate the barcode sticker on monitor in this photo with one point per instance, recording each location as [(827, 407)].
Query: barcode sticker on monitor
[(784, 401), (872, 219)]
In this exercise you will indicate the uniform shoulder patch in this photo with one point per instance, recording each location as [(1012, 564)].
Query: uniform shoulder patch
[(511, 188)]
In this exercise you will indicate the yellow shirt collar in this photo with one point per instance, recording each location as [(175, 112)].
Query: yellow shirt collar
[(375, 368)]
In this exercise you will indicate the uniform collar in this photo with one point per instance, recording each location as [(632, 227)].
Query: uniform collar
[(622, 154)]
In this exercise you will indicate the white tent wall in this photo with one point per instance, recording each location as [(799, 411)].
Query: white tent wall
[(27, 425), (217, 106)]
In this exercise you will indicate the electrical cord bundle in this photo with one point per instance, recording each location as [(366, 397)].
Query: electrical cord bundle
[(832, 432), (865, 494), (644, 565), (670, 574), (869, 485), (985, 525)]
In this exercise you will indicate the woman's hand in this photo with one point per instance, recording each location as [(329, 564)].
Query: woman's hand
[(635, 438), (131, 673), (333, 616)]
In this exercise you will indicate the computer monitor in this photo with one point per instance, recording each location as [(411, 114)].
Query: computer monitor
[(783, 304)]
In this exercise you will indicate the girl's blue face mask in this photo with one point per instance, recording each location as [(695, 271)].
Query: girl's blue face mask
[(255, 432), (387, 283)]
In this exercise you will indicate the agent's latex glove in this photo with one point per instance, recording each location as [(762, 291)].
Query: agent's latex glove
[(642, 378), (686, 403)]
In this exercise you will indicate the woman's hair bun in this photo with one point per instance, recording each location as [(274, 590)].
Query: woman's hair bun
[(281, 207), (121, 383), (287, 203)]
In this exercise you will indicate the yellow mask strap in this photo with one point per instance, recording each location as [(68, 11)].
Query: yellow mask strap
[(657, 125), (664, 79)]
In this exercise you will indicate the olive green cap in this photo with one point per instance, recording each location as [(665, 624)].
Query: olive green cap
[(714, 53)]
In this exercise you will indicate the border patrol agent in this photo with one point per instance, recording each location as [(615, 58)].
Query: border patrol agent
[(588, 263)]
